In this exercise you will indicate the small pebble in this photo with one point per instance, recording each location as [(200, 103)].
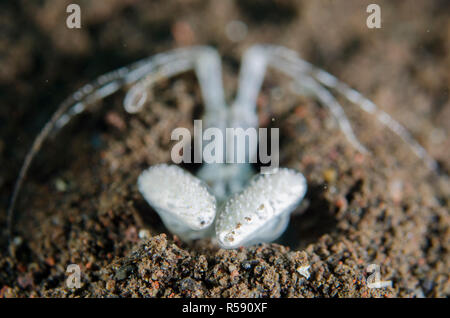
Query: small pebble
[(144, 234), (110, 285), (60, 185), (114, 119), (329, 175), (396, 190)]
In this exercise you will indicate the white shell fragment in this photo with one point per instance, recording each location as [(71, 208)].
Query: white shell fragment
[(260, 213), (183, 201), (304, 271)]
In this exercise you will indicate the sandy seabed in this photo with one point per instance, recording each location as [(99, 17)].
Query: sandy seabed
[(80, 203)]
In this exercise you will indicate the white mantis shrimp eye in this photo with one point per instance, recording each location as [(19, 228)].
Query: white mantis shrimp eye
[(180, 199), (260, 212)]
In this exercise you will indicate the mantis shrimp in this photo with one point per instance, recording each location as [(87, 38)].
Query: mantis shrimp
[(222, 200)]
